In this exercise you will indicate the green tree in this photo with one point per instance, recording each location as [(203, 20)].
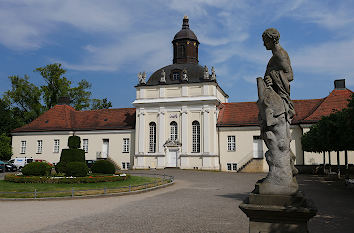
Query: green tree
[(56, 85), (24, 98), (100, 104), (80, 96), (5, 147)]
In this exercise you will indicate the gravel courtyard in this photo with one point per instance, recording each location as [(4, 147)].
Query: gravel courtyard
[(197, 202)]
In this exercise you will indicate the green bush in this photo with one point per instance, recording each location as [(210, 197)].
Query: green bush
[(77, 169), (36, 169), (103, 166), (74, 142), (72, 155), (60, 167)]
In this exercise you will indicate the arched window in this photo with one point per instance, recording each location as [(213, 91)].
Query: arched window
[(173, 127), (196, 137), (152, 137)]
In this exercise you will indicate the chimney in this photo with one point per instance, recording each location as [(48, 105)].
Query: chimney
[(339, 84), (64, 100)]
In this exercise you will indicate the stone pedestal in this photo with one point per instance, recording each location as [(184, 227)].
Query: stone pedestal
[(278, 213)]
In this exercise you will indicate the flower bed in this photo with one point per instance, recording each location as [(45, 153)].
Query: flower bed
[(65, 180)]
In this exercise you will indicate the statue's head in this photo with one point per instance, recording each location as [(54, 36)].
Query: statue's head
[(270, 38)]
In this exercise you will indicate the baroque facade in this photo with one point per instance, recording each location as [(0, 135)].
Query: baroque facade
[(181, 118)]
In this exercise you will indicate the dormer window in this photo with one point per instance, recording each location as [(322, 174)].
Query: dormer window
[(175, 76)]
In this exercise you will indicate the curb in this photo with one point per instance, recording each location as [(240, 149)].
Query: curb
[(90, 196)]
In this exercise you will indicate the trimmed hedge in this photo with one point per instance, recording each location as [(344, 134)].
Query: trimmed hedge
[(60, 167), (103, 167), (72, 155), (78, 169), (36, 169), (74, 142), (63, 180)]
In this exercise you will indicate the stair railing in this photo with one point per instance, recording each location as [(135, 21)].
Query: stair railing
[(247, 158)]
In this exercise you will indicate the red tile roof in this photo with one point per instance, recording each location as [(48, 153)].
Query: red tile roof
[(64, 117), (335, 101), (307, 111)]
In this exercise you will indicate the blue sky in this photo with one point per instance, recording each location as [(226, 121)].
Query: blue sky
[(109, 42)]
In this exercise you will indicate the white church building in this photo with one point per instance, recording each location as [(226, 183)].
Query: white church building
[(181, 119)]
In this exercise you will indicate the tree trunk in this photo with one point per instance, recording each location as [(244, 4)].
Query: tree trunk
[(346, 159), (338, 164), (324, 162), (329, 161)]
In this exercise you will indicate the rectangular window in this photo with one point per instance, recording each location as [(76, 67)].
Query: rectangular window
[(234, 166), (195, 137), (125, 145), (85, 145), (128, 165), (39, 146), (56, 146), (152, 138), (123, 165), (23, 147), (229, 166), (231, 143)]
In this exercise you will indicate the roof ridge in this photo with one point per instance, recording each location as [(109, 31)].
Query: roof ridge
[(314, 108)]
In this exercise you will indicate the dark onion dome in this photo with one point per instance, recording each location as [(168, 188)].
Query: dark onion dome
[(195, 74), (185, 32)]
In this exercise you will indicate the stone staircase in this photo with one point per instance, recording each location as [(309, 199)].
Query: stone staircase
[(253, 165)]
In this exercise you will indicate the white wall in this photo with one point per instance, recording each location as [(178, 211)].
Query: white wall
[(95, 142)]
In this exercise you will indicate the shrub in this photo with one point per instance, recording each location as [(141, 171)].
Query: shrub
[(36, 169), (104, 167), (60, 167), (78, 169), (74, 142), (72, 155)]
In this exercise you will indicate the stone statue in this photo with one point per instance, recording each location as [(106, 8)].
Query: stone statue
[(276, 111), (163, 76), (141, 78), (213, 75), (184, 75), (206, 72)]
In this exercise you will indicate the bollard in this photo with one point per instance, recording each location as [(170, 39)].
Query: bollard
[(130, 188), (72, 192), (35, 193), (105, 190)]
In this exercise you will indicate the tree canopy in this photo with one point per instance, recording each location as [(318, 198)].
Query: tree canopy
[(332, 133), (25, 101)]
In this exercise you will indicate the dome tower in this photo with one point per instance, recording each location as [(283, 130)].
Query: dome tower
[(185, 45)]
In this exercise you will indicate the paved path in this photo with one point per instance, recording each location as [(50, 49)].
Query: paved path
[(197, 202)]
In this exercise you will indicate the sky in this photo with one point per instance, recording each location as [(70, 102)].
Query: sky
[(108, 42)]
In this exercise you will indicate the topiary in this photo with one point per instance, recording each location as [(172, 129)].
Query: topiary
[(60, 167), (36, 169), (74, 142), (72, 155), (78, 169), (103, 166)]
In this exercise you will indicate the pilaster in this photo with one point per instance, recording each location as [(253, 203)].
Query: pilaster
[(161, 125)]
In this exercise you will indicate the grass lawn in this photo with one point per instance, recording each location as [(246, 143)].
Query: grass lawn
[(61, 190)]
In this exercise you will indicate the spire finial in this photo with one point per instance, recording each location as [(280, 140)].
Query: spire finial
[(185, 24)]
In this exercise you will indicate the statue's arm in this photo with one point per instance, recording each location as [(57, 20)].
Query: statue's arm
[(284, 65)]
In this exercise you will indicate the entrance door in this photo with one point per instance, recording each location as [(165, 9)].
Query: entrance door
[(257, 147), (105, 148), (171, 158)]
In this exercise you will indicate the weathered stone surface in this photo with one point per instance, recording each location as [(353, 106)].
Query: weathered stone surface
[(276, 205), (275, 114), (278, 213)]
